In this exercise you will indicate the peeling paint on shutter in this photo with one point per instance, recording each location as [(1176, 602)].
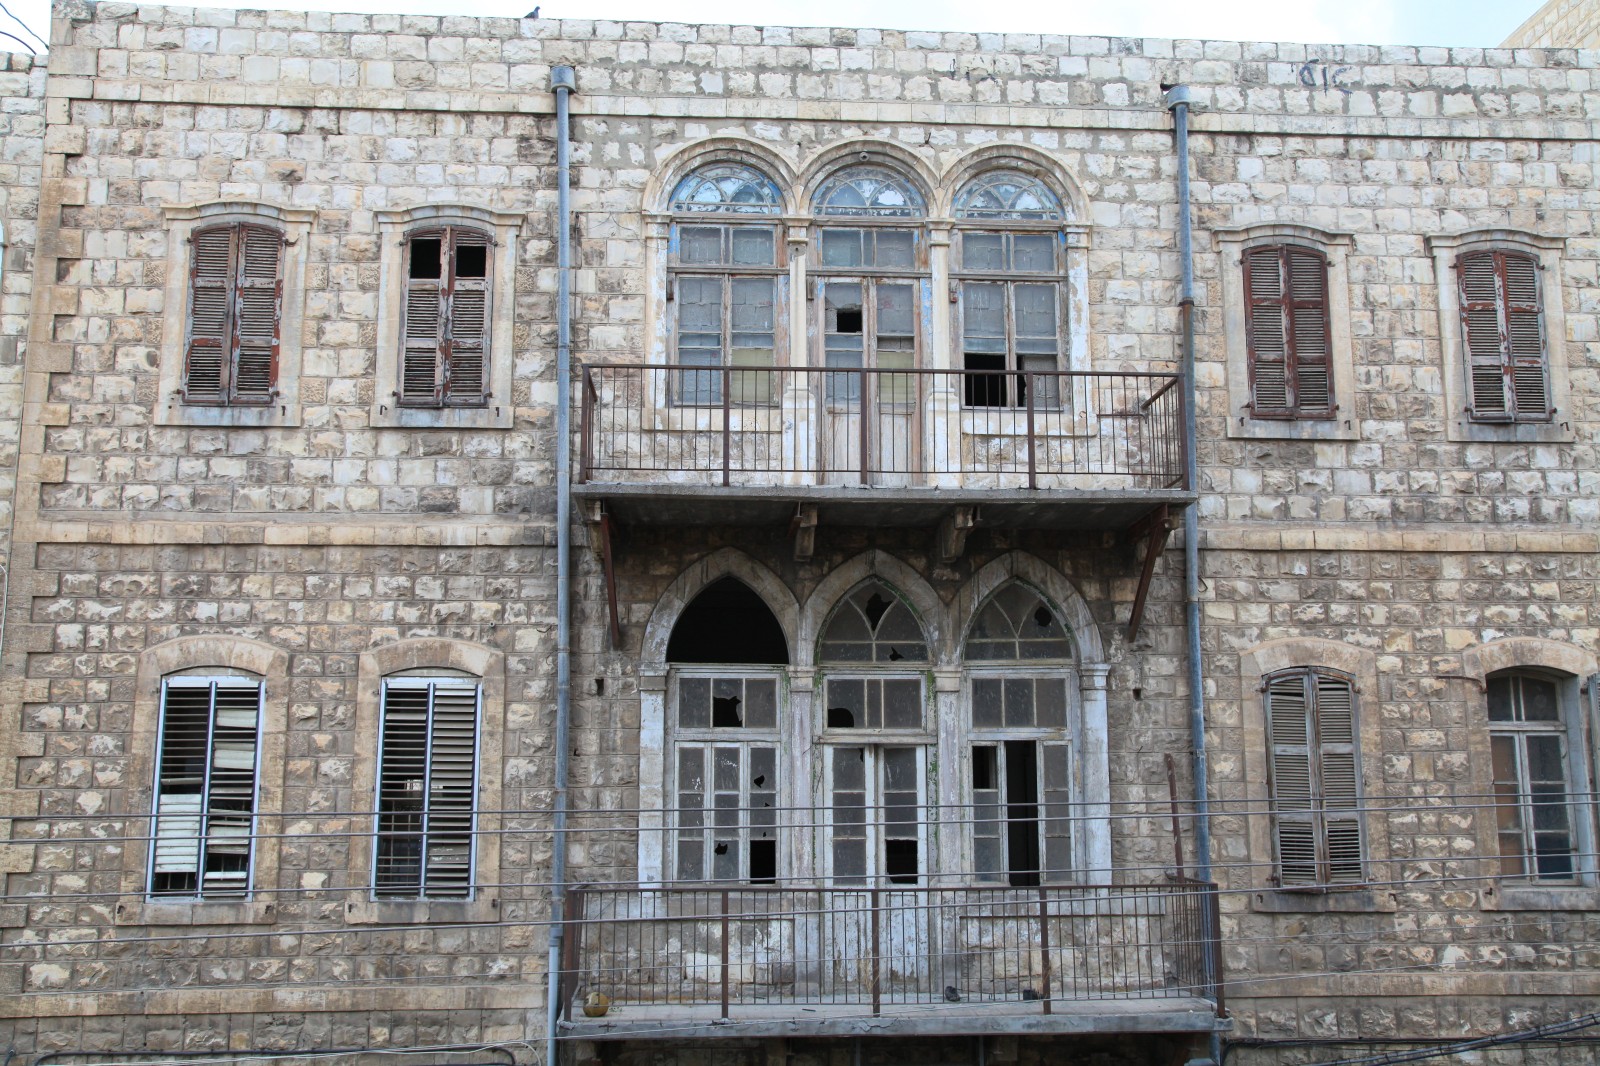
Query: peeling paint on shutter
[(1482, 339), (422, 331), (259, 302), (1309, 347), (427, 789), (445, 354), (1502, 325), (466, 329), (1341, 814), (1287, 332), (206, 788), (1293, 802), (1530, 387), (211, 276), (1315, 779)]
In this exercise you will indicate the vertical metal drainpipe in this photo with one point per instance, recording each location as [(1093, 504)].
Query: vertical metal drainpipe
[(562, 82), (1177, 100)]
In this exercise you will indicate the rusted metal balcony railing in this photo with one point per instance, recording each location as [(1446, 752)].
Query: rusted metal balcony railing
[(967, 949), (824, 426)]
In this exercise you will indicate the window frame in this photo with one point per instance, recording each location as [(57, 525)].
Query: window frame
[(1315, 813), (283, 408), (452, 238), (1288, 307), (1568, 730), (1549, 252), (230, 341), (1244, 421), (709, 738), (504, 391), (741, 386), (1506, 309)]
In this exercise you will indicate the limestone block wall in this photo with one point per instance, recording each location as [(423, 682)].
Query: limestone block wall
[(1393, 541)]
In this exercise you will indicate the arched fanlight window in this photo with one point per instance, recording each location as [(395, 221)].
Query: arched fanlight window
[(1017, 624), (730, 188), (873, 625), (1009, 195), (868, 192)]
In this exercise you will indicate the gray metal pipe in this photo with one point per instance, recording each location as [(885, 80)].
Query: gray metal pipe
[(1177, 100), (562, 82)]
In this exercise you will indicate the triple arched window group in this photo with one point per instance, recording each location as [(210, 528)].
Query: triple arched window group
[(869, 283), (895, 797)]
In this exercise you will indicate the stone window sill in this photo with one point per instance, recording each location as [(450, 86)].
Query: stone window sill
[(422, 911), (1464, 430), (1335, 901), (195, 912), (264, 416), (1242, 427), (1540, 898)]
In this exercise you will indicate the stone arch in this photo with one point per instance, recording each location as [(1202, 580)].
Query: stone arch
[(724, 562), (1021, 157), (1510, 653), (1057, 591), (904, 579), (681, 161), (882, 153)]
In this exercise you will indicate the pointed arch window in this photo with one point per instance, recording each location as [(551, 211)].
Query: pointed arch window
[(727, 285), (728, 695), (1019, 727), (1011, 275)]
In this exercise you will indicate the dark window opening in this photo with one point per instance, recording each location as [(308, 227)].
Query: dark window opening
[(1022, 813), (985, 389), (425, 258), (725, 713), (728, 623), (900, 861), (763, 862), (847, 320), (841, 718), (985, 769), (471, 261)]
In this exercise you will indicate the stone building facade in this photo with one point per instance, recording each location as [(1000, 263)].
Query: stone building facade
[(1559, 24), (878, 421)]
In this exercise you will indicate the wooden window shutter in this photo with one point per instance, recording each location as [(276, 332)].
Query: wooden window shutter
[(1502, 327), (206, 789), (1341, 807), (211, 291), (422, 328), (259, 303), (427, 789), (467, 320), (1309, 341), (1530, 379), (1293, 796), (1287, 332)]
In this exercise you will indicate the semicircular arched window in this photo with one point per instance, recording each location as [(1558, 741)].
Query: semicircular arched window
[(1017, 624), (737, 188), (868, 191), (1009, 195), (873, 625)]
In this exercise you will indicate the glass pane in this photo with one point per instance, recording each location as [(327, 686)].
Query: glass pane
[(753, 300), (902, 704), (896, 312), (1500, 699), (753, 247), (730, 187), (727, 699), (726, 775), (841, 248), (847, 705), (895, 249), (1050, 703), (983, 251), (1019, 703), (1544, 759), (1036, 311), (1034, 251), (1540, 702), (691, 771), (987, 696), (761, 704), (983, 316), (700, 244), (694, 703), (849, 769)]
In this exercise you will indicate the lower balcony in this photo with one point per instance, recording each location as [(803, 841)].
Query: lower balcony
[(832, 446), (752, 961)]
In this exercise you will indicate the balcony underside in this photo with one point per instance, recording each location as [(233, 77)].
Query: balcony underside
[(697, 1022), (878, 506)]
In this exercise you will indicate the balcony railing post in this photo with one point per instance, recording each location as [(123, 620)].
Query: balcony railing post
[(1213, 935), (586, 425), (573, 904), (877, 983), (1028, 382), (1044, 947), (725, 954), (861, 407), (727, 425)]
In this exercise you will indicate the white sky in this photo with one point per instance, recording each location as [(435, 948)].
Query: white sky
[(1440, 22)]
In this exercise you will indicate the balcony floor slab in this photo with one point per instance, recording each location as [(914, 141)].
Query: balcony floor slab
[(877, 506)]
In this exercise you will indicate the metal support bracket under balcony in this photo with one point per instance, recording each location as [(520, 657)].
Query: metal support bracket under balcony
[(1154, 528)]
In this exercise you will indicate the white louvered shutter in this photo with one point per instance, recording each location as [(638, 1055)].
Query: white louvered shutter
[(1293, 803), (427, 789), (206, 788)]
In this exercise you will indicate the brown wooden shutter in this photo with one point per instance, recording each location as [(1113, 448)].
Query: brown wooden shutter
[(1293, 799), (1309, 343), (211, 282), (1530, 384), (466, 330), (1483, 338), (422, 330), (1341, 808), (1267, 333), (258, 303)]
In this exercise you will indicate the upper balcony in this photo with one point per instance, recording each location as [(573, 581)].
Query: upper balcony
[(852, 446)]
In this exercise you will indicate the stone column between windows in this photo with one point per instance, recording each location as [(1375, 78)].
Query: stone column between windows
[(657, 310), (798, 416), (949, 845), (800, 760), (943, 431), (1094, 762), (653, 757)]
